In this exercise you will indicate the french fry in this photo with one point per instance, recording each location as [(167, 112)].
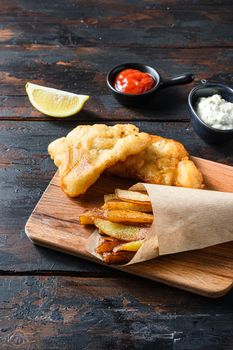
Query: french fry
[(126, 216), (106, 244), (120, 222), (138, 188), (120, 231), (109, 197), (117, 258), (86, 218), (123, 216), (131, 196), (129, 246), (120, 205)]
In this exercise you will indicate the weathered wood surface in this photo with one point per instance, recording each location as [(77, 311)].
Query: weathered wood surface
[(109, 313), (83, 70), (71, 45), (25, 171), (118, 23)]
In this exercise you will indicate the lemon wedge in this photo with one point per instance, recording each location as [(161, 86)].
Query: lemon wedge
[(53, 102)]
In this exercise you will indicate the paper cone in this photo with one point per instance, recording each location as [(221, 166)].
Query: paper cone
[(185, 219)]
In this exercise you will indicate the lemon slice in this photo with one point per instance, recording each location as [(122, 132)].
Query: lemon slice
[(53, 102)]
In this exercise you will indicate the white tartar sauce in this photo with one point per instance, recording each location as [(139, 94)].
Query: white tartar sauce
[(216, 112)]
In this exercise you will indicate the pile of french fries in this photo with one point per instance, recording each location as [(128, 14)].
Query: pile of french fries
[(122, 223)]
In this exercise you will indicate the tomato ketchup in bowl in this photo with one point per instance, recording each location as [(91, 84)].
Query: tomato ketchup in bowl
[(133, 81), (134, 84)]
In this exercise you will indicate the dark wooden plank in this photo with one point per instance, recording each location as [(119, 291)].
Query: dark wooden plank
[(83, 70), (124, 313), (118, 23), (71, 45), (25, 171)]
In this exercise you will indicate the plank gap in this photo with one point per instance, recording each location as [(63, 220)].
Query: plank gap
[(120, 46), (110, 274), (48, 119)]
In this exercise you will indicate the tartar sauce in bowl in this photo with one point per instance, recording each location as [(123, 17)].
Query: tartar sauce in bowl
[(215, 112)]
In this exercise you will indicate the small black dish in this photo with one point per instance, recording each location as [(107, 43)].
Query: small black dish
[(206, 89), (140, 99)]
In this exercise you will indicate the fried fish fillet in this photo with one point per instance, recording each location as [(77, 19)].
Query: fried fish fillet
[(88, 150), (164, 162)]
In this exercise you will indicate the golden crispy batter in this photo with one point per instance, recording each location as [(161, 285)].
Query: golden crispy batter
[(88, 150), (164, 162), (188, 175)]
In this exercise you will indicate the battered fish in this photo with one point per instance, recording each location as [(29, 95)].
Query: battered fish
[(88, 150), (164, 162)]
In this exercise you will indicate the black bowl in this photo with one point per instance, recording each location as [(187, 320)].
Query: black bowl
[(132, 99), (142, 99), (206, 132)]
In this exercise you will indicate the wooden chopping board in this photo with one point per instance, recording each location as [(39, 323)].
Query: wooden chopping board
[(209, 272)]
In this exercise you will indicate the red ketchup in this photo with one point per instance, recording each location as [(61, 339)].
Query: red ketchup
[(133, 81)]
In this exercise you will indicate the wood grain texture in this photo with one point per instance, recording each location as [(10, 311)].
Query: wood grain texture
[(58, 228), (71, 45), (72, 48), (123, 23), (79, 313)]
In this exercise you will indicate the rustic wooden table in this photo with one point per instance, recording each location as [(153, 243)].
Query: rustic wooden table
[(50, 300)]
